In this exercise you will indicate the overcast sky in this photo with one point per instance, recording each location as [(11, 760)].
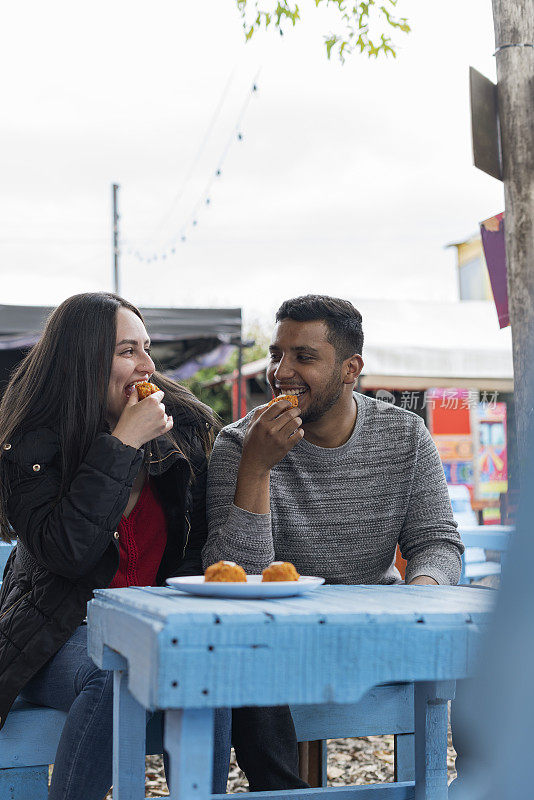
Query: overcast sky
[(349, 180)]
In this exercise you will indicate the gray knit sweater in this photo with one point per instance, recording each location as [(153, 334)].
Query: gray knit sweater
[(340, 512)]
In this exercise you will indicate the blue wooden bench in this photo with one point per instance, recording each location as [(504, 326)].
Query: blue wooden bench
[(478, 539), (5, 550), (28, 744)]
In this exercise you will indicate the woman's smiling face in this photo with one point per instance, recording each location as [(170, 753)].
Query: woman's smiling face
[(131, 362)]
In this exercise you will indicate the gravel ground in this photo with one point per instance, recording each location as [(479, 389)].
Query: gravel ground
[(350, 761)]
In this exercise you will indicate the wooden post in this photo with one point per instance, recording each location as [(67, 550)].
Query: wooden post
[(431, 725), (129, 732), (514, 44), (188, 739), (313, 762)]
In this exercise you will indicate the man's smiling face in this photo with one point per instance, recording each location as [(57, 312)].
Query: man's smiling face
[(304, 363)]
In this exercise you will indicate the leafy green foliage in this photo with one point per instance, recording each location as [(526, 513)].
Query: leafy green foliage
[(356, 23), (219, 397)]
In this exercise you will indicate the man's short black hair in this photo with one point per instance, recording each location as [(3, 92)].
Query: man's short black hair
[(344, 322)]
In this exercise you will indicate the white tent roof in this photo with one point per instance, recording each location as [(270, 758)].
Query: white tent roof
[(456, 343)]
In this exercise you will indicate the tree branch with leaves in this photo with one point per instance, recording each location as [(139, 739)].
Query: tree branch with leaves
[(357, 25)]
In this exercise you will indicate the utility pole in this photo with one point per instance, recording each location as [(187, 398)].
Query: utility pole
[(115, 240), (514, 45)]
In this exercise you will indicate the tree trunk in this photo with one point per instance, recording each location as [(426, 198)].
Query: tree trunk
[(514, 25)]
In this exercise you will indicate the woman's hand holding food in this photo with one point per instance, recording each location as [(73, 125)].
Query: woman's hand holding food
[(271, 434), (142, 420)]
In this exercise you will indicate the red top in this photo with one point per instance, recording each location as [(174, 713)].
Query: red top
[(142, 540)]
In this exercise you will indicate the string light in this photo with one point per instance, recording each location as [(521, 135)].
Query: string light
[(205, 198)]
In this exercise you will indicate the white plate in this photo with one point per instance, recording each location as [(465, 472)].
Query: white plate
[(253, 589)]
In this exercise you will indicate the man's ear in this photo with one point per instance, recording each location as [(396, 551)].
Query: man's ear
[(351, 368)]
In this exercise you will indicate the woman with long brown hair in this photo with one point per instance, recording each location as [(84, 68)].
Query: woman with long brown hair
[(100, 489)]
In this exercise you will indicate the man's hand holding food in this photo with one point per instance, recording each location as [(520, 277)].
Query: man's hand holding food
[(273, 431)]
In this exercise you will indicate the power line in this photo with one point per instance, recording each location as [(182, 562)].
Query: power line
[(204, 199), (163, 221), (53, 240)]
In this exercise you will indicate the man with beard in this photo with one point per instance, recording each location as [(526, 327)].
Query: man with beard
[(334, 484)]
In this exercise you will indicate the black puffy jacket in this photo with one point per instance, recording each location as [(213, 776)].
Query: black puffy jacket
[(68, 548)]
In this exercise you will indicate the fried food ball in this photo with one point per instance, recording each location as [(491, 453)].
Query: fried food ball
[(145, 388), (225, 572), (280, 571), (293, 399)]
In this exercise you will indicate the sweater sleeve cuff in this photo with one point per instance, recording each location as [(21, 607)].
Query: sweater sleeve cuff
[(246, 525), (431, 572), (245, 538)]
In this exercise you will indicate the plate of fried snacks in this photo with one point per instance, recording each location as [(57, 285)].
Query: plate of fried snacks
[(228, 579)]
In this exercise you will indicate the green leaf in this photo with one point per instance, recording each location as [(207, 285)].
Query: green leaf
[(353, 23), (329, 45)]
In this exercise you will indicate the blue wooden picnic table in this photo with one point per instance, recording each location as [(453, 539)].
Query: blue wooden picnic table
[(188, 655)]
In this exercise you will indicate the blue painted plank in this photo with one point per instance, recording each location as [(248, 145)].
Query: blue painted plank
[(191, 610), (388, 791), (129, 733), (30, 735), (5, 552), (335, 665), (490, 537), (284, 661), (431, 725), (347, 601), (112, 629), (24, 784), (382, 710), (404, 751), (482, 569), (189, 738), (324, 763)]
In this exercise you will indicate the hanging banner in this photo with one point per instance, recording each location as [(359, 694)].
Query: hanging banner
[(492, 231), (492, 452)]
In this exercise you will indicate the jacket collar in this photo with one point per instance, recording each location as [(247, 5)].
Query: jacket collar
[(162, 453)]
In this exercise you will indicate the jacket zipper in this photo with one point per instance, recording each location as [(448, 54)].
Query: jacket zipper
[(14, 604), (159, 460)]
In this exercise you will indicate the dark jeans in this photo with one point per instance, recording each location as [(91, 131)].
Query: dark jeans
[(265, 744)]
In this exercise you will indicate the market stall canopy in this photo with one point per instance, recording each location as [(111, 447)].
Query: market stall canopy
[(183, 339), (414, 345)]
